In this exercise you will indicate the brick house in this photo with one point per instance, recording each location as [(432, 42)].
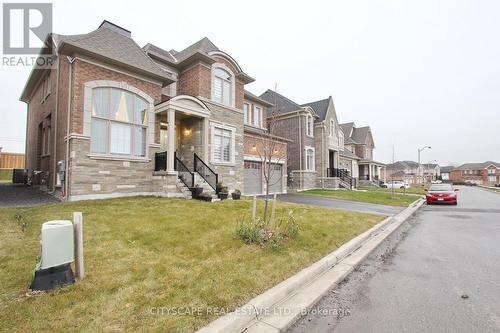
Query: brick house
[(411, 173), (113, 119), (316, 141), (486, 173), (359, 141)]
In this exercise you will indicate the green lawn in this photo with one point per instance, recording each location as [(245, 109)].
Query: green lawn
[(372, 196), (146, 252), (5, 175)]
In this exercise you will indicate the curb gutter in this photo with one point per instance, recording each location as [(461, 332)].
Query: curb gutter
[(278, 308)]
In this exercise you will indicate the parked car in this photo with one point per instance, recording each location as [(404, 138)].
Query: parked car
[(395, 184), (441, 193)]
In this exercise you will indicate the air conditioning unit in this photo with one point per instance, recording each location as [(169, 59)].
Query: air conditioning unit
[(56, 254)]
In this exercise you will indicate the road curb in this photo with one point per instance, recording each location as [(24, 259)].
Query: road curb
[(278, 308)]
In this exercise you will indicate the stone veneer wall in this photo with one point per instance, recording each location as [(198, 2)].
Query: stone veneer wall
[(328, 182), (231, 175), (302, 180), (98, 178)]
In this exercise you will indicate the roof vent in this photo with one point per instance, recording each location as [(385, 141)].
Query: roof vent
[(115, 28)]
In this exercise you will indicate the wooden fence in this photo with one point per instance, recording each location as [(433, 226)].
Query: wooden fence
[(11, 161)]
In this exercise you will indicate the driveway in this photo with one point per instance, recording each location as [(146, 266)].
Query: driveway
[(438, 273), (362, 207), (19, 195)]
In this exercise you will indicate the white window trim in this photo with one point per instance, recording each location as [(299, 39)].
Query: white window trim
[(233, 83), (255, 107), (247, 120), (213, 126), (306, 148), (87, 115), (332, 127), (309, 128)]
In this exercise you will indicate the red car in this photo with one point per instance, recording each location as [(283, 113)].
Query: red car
[(441, 193)]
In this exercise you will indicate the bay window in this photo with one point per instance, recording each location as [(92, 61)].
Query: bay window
[(119, 123), (222, 86)]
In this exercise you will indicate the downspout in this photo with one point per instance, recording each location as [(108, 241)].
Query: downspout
[(68, 120), (26, 138), (56, 121), (300, 150), (322, 155)]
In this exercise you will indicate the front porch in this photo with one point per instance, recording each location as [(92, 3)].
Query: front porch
[(371, 171), (184, 130)]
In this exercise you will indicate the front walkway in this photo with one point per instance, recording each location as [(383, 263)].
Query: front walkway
[(20, 195), (341, 204)]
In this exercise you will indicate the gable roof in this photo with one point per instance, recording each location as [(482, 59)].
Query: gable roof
[(321, 107), (255, 98), (360, 134), (477, 166), (201, 50), (447, 168), (347, 129), (114, 46), (280, 102)]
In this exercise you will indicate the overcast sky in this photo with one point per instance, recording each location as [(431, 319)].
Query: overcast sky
[(423, 72)]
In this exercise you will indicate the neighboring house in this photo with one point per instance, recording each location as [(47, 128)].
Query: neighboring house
[(486, 173), (315, 140), (359, 141), (113, 119), (445, 172), (260, 146), (411, 173)]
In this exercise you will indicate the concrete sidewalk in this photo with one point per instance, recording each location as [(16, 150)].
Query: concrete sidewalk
[(355, 206)]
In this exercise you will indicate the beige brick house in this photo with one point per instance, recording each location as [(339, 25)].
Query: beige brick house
[(316, 142), (113, 119)]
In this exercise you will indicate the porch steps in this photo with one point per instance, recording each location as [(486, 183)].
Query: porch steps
[(344, 184), (200, 182), (186, 192)]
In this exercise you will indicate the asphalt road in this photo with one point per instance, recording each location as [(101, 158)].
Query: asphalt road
[(341, 204), (440, 272)]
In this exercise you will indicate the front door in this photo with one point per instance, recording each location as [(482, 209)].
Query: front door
[(331, 163)]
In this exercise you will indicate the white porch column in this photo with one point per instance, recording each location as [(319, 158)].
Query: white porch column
[(369, 172), (171, 140), (205, 139)]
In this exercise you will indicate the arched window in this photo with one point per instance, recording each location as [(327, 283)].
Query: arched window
[(119, 122), (310, 125), (222, 86), (310, 159)]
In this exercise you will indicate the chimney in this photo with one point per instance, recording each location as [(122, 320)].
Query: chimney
[(115, 28)]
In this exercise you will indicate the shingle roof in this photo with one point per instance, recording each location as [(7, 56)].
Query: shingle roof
[(160, 53), (282, 104), (347, 129), (477, 166), (256, 98), (348, 153), (360, 134), (115, 46), (447, 168), (204, 45), (320, 107)]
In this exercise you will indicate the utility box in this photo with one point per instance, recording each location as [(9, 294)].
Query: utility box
[(57, 252), (57, 244)]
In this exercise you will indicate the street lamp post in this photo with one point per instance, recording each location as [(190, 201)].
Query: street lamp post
[(419, 151)]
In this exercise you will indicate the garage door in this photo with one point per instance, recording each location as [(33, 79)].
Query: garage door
[(252, 175), (275, 184)]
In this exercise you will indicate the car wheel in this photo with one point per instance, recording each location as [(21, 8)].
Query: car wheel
[(455, 203), (402, 187), (428, 202)]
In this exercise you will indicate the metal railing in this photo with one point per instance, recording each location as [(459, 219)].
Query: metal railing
[(343, 174), (161, 161), (332, 172), (205, 172), (183, 172)]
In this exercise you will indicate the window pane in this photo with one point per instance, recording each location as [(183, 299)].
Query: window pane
[(100, 102), (120, 138), (245, 113), (226, 143), (217, 86), (217, 147), (257, 116), (122, 105), (99, 136), (140, 141), (226, 93), (219, 72), (141, 108)]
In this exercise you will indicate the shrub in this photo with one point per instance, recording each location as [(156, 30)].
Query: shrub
[(272, 234)]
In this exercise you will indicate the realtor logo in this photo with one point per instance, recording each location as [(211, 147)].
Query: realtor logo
[(25, 27)]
